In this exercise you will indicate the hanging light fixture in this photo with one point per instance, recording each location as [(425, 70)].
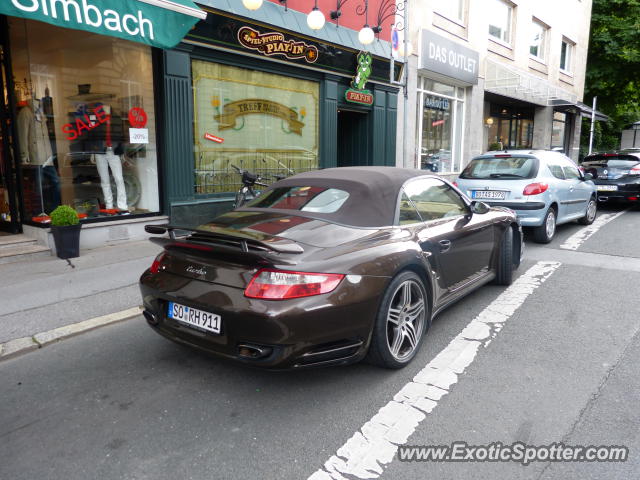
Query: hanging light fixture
[(252, 4), (315, 19), (366, 35)]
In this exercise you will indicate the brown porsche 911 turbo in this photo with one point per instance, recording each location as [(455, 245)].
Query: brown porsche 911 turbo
[(327, 267)]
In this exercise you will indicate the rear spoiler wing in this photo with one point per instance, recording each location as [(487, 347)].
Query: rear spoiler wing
[(273, 244)]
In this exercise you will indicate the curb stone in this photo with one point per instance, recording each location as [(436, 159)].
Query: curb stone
[(19, 346)]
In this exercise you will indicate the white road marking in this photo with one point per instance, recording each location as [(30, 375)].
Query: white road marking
[(578, 238), (373, 447)]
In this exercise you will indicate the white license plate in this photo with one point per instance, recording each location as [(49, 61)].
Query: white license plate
[(489, 194), (607, 188), (194, 317)]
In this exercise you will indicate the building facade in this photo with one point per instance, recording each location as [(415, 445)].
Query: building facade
[(494, 74), (235, 97), (132, 111)]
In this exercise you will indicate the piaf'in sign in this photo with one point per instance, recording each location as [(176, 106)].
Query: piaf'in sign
[(274, 43)]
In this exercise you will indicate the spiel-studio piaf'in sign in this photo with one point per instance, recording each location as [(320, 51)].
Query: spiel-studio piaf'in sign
[(357, 92), (274, 43)]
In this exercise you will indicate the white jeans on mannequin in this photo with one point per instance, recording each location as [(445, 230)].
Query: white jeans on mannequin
[(104, 162)]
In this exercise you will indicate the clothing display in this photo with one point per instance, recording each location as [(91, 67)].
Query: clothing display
[(35, 146), (104, 161)]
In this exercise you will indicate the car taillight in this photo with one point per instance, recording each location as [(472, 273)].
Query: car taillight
[(155, 266), (635, 170), (455, 184), (280, 285), (535, 189)]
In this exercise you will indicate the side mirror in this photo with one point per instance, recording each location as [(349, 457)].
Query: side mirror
[(587, 176), (479, 207)]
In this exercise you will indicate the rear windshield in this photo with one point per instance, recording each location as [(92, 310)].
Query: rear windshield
[(304, 199), (501, 168), (612, 161)]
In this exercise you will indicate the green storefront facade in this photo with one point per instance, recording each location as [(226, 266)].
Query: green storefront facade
[(134, 110), (248, 94)]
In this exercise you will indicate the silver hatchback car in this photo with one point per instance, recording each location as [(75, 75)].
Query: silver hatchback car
[(545, 188)]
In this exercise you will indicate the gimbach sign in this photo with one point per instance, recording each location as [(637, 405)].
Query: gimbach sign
[(443, 56)]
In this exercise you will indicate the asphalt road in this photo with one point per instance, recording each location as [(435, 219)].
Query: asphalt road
[(124, 403)]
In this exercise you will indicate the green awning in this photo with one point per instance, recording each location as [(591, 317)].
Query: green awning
[(159, 23)]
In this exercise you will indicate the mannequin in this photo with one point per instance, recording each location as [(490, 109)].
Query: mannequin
[(107, 160), (35, 147), (36, 151)]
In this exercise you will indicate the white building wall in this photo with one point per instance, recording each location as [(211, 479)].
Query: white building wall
[(566, 19)]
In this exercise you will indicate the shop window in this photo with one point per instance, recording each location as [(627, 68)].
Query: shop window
[(510, 127), (500, 15), (537, 46), (85, 122), (566, 54), (440, 132), (559, 130), (252, 120)]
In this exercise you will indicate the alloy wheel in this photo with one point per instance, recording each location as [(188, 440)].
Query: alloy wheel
[(551, 224), (591, 211), (405, 320)]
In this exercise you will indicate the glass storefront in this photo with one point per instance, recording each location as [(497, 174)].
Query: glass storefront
[(253, 120), (440, 126), (510, 127), (85, 122), (558, 132)]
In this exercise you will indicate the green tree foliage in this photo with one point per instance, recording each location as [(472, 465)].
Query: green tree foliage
[(613, 68)]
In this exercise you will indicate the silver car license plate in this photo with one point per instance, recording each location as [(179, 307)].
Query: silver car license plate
[(489, 194), (194, 317)]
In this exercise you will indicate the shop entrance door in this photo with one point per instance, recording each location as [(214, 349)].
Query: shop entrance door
[(354, 138), (9, 219)]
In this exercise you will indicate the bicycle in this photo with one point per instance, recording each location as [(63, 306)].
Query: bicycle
[(249, 180)]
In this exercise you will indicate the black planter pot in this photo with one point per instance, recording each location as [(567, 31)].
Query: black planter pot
[(67, 240)]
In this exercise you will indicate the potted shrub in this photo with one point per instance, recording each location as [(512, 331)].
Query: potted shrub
[(65, 227)]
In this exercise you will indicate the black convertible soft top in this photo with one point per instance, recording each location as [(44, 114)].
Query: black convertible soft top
[(373, 193)]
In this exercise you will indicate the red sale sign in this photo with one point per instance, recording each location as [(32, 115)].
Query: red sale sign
[(137, 117)]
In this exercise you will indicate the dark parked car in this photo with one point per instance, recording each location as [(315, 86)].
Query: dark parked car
[(328, 266), (616, 175)]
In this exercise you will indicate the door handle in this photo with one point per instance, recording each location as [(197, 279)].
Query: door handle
[(445, 245)]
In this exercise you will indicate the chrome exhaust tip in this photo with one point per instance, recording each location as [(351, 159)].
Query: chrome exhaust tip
[(253, 352), (151, 318)]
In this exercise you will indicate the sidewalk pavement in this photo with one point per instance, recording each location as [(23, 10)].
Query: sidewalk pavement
[(44, 294)]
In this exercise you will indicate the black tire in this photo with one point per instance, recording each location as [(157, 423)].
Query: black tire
[(505, 266), (541, 234), (590, 215), (380, 350)]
